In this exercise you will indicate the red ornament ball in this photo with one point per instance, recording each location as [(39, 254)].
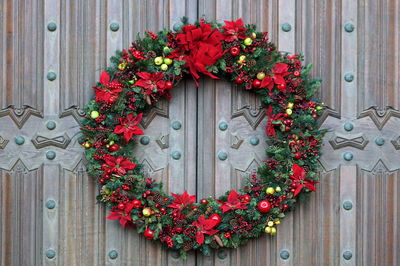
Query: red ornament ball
[(239, 80), (204, 201), (217, 218), (256, 83), (296, 73), (246, 198), (136, 203), (235, 51), (148, 233), (114, 147), (121, 206), (264, 206), (169, 85), (297, 155), (282, 86)]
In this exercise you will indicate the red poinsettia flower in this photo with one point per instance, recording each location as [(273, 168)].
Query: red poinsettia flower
[(110, 90), (182, 201), (233, 202), (128, 126), (234, 30), (204, 226), (119, 165), (201, 46), (271, 118), (151, 82), (279, 72), (124, 216), (300, 181)]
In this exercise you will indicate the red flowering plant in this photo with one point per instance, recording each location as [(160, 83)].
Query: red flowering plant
[(147, 71)]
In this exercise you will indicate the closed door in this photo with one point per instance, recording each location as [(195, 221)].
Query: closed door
[(206, 139)]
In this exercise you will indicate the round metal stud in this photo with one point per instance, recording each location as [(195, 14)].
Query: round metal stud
[(113, 254), (349, 77), (51, 76), (222, 155), (286, 27), (19, 140), (347, 205), (50, 253), (349, 27), (177, 26), (176, 125), (223, 126), (348, 126), (254, 141), (284, 254), (347, 255), (176, 155), (380, 141), (175, 254), (51, 125), (50, 204), (144, 140), (222, 254), (348, 156), (52, 26), (114, 26), (50, 155)]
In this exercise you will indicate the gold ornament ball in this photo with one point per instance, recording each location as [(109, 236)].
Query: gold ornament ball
[(158, 60), (290, 105), (270, 190), (87, 145), (253, 35), (248, 41), (242, 57), (146, 212), (164, 67), (111, 142), (278, 189), (278, 222), (289, 111), (268, 230), (260, 75), (168, 61), (270, 223), (94, 114), (273, 231)]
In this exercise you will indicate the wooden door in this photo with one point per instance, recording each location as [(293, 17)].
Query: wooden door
[(52, 52)]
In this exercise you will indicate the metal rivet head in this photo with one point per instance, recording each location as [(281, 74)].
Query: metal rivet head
[(380, 141), (50, 204), (222, 155), (222, 254), (349, 77), (175, 254), (286, 27), (349, 27), (223, 126), (347, 205), (284, 254), (348, 126), (254, 141), (348, 156), (19, 140), (50, 155), (176, 125), (176, 155), (144, 140), (52, 26), (347, 255), (51, 76), (51, 125), (113, 254), (114, 26), (50, 253), (177, 26)]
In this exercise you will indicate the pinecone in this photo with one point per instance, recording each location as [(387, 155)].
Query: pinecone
[(150, 198), (306, 168), (151, 54), (268, 58), (158, 198), (233, 222), (244, 233), (209, 210), (214, 244), (246, 189), (116, 119), (229, 59), (187, 245), (130, 179), (301, 93), (139, 223), (251, 63), (218, 240)]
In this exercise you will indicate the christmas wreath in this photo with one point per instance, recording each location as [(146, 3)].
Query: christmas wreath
[(147, 71)]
